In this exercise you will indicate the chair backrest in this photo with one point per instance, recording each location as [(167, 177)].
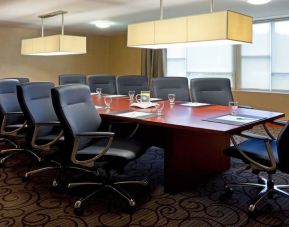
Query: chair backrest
[(282, 148), (211, 90), (36, 103), (76, 112), (106, 82), (21, 80), (131, 82), (161, 87), (71, 79), (8, 99)]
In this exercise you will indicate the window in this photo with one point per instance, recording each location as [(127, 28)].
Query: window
[(264, 64), (200, 61)]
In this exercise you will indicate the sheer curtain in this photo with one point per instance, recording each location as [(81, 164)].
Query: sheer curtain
[(154, 62)]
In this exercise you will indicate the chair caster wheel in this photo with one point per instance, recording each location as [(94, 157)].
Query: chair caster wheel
[(131, 203), (55, 183), (78, 211), (25, 178), (251, 208), (228, 190)]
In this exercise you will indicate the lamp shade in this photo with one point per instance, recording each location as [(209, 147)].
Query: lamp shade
[(218, 27), (54, 45)]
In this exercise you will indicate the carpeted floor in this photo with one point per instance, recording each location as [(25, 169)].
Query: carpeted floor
[(33, 204)]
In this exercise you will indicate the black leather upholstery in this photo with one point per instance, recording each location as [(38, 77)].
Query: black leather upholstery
[(131, 82), (211, 90), (81, 122), (106, 82), (72, 79), (161, 87), (35, 101)]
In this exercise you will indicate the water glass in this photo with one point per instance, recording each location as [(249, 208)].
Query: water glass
[(172, 98), (98, 91), (107, 101), (234, 107), (131, 95), (159, 108)]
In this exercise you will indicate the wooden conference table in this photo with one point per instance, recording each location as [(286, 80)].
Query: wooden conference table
[(194, 146)]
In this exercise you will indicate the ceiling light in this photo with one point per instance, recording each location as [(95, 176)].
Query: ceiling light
[(102, 24), (215, 27), (55, 44), (258, 2)]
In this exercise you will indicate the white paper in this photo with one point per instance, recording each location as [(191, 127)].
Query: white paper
[(134, 114), (237, 118), (194, 104), (155, 99), (143, 105), (115, 96), (98, 107)]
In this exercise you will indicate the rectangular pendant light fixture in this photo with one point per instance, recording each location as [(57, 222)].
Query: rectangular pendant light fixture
[(55, 44), (204, 29)]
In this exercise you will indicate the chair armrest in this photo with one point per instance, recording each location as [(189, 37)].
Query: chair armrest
[(45, 146), (250, 135), (90, 162), (51, 123), (95, 134), (14, 113), (279, 122), (4, 121)]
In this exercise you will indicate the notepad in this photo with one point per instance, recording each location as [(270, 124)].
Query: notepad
[(194, 104), (115, 96), (241, 119), (155, 99), (98, 107), (134, 114)]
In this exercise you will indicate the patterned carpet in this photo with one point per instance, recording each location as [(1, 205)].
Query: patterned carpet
[(33, 204)]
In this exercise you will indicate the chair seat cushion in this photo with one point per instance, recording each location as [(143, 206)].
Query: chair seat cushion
[(255, 149), (121, 149)]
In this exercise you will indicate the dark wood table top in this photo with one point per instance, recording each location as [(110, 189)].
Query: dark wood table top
[(183, 117)]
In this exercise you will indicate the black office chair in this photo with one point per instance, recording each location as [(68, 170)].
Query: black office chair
[(71, 79), (161, 87), (131, 82), (106, 82), (12, 120), (44, 131), (211, 90), (21, 80), (263, 154), (87, 145)]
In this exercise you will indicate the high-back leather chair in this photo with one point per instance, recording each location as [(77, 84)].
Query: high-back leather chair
[(211, 90), (87, 145), (71, 79), (161, 87), (106, 82), (131, 82), (44, 131), (12, 119), (263, 154)]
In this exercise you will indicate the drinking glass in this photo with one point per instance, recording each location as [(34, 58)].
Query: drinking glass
[(172, 98), (98, 91), (107, 101), (159, 108), (131, 95), (234, 107)]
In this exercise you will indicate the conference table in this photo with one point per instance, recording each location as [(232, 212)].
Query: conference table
[(194, 142)]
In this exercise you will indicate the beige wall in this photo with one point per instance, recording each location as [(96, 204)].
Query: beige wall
[(266, 101), (123, 60), (105, 55)]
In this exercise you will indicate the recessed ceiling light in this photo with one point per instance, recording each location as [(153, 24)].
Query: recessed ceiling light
[(102, 23), (258, 2)]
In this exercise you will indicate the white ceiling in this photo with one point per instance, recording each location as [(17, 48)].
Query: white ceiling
[(80, 12)]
